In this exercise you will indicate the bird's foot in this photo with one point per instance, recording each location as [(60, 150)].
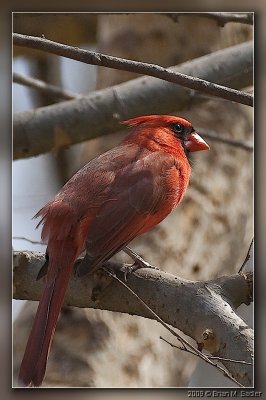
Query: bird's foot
[(115, 269), (129, 269), (139, 261)]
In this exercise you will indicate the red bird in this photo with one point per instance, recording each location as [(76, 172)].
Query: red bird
[(106, 204)]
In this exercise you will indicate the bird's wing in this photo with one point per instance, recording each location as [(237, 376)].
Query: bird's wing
[(134, 206)]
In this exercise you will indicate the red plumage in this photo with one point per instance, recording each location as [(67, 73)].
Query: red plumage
[(111, 200)]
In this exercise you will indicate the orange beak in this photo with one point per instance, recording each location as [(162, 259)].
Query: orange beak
[(195, 143)]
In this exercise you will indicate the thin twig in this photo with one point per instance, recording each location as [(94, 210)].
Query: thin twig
[(90, 57), (27, 240), (176, 347), (210, 357), (247, 256), (184, 342), (44, 87), (222, 18), (230, 360), (245, 145)]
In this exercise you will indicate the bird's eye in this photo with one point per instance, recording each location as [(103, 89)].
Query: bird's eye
[(178, 128)]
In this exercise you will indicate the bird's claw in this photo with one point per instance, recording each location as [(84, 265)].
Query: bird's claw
[(139, 261), (114, 269), (145, 264), (129, 269)]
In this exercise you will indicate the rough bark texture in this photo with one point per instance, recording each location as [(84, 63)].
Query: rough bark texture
[(50, 128), (203, 310), (206, 237)]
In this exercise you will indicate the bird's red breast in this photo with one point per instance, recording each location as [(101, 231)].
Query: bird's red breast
[(127, 190), (111, 200)]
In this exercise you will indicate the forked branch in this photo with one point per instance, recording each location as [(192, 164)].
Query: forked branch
[(205, 311)]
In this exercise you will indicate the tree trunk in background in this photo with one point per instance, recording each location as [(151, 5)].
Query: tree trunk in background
[(207, 236)]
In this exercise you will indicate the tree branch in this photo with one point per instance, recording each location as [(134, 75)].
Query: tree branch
[(91, 57), (186, 345), (60, 93), (49, 128), (247, 258), (209, 357), (44, 87), (245, 145), (222, 18), (202, 310)]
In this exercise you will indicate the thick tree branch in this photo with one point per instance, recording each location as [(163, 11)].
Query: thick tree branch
[(222, 18), (185, 343), (61, 94), (202, 310), (91, 57), (49, 128)]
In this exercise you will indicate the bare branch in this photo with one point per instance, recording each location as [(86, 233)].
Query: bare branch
[(230, 360), (222, 18), (90, 57), (27, 240), (44, 87), (186, 344), (221, 138), (202, 310), (247, 256), (209, 357), (55, 126)]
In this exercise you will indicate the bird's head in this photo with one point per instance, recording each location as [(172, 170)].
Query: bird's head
[(165, 129)]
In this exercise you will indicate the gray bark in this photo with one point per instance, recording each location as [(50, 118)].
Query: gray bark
[(49, 128), (205, 311)]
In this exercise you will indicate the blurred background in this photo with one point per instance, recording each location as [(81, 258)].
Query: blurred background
[(206, 237)]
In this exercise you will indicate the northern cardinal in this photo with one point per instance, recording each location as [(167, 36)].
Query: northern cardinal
[(111, 200)]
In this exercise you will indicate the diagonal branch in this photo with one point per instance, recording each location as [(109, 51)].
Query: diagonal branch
[(247, 258), (209, 357), (44, 87), (186, 345), (202, 310), (222, 18), (52, 127), (61, 94), (91, 57), (245, 145)]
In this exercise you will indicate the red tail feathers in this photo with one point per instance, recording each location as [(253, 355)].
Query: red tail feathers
[(63, 232), (33, 365)]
